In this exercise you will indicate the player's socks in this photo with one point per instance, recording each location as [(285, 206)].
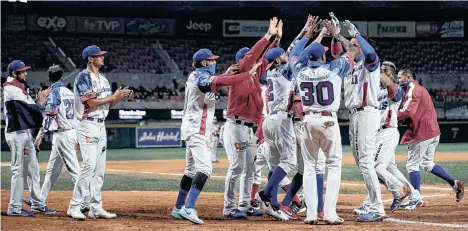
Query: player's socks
[(295, 185), (274, 195), (440, 172), (197, 186), (183, 191), (319, 192), (255, 188), (274, 181), (269, 175), (415, 179)]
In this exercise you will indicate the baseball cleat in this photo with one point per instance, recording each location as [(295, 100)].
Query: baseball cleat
[(21, 213), (84, 209), (250, 211), (45, 210), (338, 221), (413, 203), (303, 208), (370, 217), (175, 213), (255, 204), (459, 189), (236, 214), (310, 222), (395, 205), (361, 210), (295, 207), (320, 215), (288, 211), (76, 215), (100, 213), (276, 212), (27, 201), (191, 215)]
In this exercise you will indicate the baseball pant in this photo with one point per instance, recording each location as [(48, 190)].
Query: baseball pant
[(321, 132), (421, 154), (92, 139), (240, 144), (214, 145), (197, 156), (24, 163), (279, 135), (261, 162), (320, 167), (363, 129), (63, 153)]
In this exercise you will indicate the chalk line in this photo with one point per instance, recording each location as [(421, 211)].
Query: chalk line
[(395, 220)]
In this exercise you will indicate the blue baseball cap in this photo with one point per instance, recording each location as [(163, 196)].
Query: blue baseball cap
[(203, 54), (92, 50), (241, 53), (274, 54), (316, 51), (17, 65)]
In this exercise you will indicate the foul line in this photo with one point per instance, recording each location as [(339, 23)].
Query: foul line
[(426, 223), (263, 179)]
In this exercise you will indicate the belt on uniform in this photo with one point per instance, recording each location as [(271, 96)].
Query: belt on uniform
[(242, 122), (95, 120), (323, 113), (382, 128), (354, 110), (296, 119), (276, 112)]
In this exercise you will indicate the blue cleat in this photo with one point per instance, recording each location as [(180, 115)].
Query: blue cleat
[(250, 211), (413, 203), (370, 217), (361, 210), (395, 205), (236, 214), (22, 213), (27, 201), (45, 210)]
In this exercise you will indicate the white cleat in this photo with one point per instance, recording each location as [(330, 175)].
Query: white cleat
[(276, 212), (190, 214), (76, 215), (100, 213), (175, 213)]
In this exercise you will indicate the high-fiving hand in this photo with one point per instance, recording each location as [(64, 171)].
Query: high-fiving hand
[(352, 30)]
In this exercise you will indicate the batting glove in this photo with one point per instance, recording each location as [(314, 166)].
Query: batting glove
[(352, 30)]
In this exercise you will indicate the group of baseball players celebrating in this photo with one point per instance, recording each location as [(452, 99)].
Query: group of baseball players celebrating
[(292, 96), (76, 120)]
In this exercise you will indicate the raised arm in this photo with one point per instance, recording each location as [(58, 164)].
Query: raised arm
[(410, 103)]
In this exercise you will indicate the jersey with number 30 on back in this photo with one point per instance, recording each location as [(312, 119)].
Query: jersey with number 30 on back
[(362, 86), (59, 109), (320, 84), (280, 87)]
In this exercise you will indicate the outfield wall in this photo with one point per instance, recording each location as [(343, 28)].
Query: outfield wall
[(168, 135)]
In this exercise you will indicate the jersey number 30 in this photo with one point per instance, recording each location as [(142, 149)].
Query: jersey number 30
[(320, 88)]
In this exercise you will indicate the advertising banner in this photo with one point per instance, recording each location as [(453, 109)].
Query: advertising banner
[(157, 137), (51, 23), (244, 28), (197, 27), (99, 25), (449, 29), (148, 26), (15, 22), (392, 29)]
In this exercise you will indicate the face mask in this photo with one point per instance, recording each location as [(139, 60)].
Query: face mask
[(212, 68)]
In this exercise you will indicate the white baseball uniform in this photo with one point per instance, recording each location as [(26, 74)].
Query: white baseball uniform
[(91, 136), (278, 128), (361, 88), (197, 123), (387, 140), (214, 141), (24, 161), (320, 89), (60, 120)]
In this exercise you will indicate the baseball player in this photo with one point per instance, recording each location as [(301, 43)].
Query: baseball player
[(93, 98), (60, 120), (387, 140), (196, 126), (22, 114), (243, 112), (320, 89), (361, 98), (422, 137), (214, 140)]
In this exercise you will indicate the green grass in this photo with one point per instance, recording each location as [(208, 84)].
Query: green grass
[(179, 153)]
